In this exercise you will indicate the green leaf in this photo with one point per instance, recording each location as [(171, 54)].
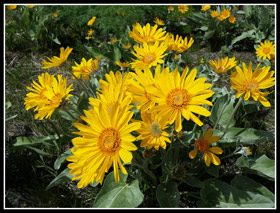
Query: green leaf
[(39, 151), (119, 195), (213, 170), (223, 108), (247, 184), (246, 136), (168, 195), (24, 141), (96, 53), (193, 181), (61, 159), (117, 54), (262, 166), (208, 34), (242, 162), (216, 193), (247, 34), (63, 177)]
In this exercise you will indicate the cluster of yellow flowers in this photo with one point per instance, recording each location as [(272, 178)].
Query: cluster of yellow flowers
[(224, 14), (163, 98), (90, 32)]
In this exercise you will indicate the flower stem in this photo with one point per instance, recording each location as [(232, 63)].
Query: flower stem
[(231, 117)]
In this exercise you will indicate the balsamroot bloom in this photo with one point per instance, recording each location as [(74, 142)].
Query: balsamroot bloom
[(249, 82), (180, 96), (48, 95), (223, 64), (105, 141), (202, 145), (265, 50), (85, 69), (148, 55), (151, 131), (57, 61), (147, 34)]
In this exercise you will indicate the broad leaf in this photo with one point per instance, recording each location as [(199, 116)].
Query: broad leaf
[(216, 193), (119, 195), (247, 184), (168, 195)]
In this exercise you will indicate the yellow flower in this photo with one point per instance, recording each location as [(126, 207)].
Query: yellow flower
[(231, 19), (117, 80), (85, 69), (221, 17), (223, 64), (214, 13), (179, 44), (183, 8), (147, 34), (170, 8), (265, 50), (158, 21), (251, 82), (225, 13), (127, 46), (57, 61), (54, 15), (111, 95), (30, 6), (180, 96), (152, 131), (113, 40), (48, 95), (138, 88), (202, 145), (11, 7), (205, 7), (105, 142), (148, 55), (90, 32), (91, 21), (122, 64)]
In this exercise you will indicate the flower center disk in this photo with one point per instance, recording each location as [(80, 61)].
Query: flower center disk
[(109, 140), (178, 98), (155, 129), (202, 145)]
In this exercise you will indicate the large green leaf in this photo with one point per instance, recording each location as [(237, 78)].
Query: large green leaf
[(222, 111), (245, 136), (216, 193), (262, 166), (168, 195), (119, 195), (247, 34), (247, 184)]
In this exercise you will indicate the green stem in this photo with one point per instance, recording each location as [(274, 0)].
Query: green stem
[(231, 117)]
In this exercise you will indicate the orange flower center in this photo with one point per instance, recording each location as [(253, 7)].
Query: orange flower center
[(56, 100), (221, 69), (202, 145), (155, 129), (252, 86), (178, 98), (266, 50), (41, 94), (109, 140), (147, 59)]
